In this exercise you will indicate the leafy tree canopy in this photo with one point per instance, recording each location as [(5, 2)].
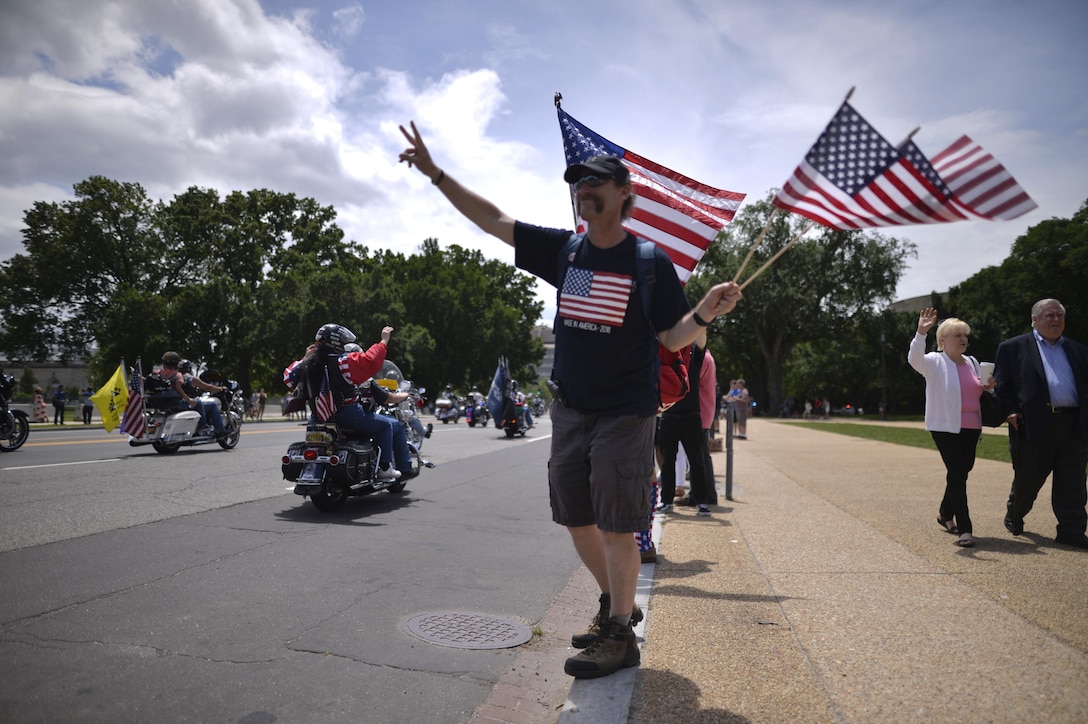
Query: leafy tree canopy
[(241, 283)]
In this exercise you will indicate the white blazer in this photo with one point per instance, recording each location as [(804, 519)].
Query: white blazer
[(943, 398)]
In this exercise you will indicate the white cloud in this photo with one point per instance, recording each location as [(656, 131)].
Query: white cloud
[(306, 98)]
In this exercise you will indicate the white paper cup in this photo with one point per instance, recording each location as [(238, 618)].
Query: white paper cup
[(987, 372)]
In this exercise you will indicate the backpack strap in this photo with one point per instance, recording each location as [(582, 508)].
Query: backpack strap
[(646, 274)]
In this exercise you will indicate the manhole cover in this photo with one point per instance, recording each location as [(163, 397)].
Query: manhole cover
[(467, 630)]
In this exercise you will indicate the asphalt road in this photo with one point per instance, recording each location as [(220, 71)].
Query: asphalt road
[(196, 587)]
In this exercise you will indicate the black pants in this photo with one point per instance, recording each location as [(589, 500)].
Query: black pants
[(958, 453), (87, 414), (711, 489), (58, 414), (1061, 452), (683, 429)]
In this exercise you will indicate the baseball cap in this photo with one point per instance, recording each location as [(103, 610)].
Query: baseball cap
[(603, 166)]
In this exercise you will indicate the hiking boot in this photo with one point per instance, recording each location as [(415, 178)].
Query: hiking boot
[(616, 649), (649, 555), (593, 631)]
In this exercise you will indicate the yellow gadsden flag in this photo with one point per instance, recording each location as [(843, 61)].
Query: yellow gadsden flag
[(112, 399)]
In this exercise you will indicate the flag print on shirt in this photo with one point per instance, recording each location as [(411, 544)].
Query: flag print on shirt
[(595, 296)]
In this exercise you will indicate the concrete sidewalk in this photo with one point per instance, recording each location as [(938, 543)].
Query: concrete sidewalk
[(826, 592)]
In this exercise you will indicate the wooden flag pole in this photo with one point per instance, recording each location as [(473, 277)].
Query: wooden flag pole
[(774, 258), (755, 246)]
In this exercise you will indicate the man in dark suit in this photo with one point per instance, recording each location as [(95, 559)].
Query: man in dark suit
[(1042, 382)]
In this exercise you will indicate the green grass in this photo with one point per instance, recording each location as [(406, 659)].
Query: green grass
[(990, 447)]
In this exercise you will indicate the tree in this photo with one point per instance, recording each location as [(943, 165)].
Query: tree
[(1047, 261), (824, 291), (243, 282)]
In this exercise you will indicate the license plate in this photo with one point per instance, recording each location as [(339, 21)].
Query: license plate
[(318, 437), (311, 473)]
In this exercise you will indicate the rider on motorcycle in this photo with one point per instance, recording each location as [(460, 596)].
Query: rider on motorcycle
[(177, 382), (345, 370), (520, 400), (382, 396), (209, 411)]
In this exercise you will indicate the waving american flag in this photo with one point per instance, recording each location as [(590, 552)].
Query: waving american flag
[(679, 214), (853, 178)]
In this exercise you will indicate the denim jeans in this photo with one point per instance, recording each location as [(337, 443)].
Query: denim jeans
[(386, 432)]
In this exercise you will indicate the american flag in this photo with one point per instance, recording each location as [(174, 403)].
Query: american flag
[(133, 421), (679, 214), (853, 178), (324, 403), (599, 297)]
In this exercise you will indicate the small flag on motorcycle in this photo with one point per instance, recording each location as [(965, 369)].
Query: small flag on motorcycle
[(133, 421), (325, 404)]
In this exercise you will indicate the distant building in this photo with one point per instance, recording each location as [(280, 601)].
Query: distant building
[(915, 304), (547, 336), (48, 375)]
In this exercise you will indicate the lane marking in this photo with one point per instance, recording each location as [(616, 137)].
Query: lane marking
[(60, 465)]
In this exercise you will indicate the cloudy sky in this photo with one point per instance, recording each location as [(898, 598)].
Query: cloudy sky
[(305, 96)]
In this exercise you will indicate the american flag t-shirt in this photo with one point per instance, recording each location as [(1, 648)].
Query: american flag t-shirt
[(595, 296)]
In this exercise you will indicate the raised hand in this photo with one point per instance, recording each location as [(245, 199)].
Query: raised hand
[(926, 319)]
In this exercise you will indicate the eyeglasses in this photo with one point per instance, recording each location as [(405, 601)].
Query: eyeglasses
[(591, 181)]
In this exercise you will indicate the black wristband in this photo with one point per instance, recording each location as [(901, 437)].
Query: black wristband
[(699, 320), (439, 178)]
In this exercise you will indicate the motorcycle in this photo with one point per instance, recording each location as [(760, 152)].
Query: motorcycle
[(169, 425), (14, 424), (334, 462), (476, 413), (391, 378), (447, 409), (513, 417), (538, 406)]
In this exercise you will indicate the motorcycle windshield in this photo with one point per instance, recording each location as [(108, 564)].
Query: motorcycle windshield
[(389, 376)]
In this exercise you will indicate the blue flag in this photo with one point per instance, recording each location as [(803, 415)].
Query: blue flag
[(499, 386)]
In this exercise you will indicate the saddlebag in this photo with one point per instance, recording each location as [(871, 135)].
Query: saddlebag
[(360, 461)]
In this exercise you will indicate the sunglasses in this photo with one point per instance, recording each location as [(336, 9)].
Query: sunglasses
[(591, 181)]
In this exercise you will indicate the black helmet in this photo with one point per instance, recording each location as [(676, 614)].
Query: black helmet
[(185, 367), (514, 384), (171, 359), (334, 336)]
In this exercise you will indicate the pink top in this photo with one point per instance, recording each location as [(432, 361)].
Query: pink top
[(970, 391), (708, 375)]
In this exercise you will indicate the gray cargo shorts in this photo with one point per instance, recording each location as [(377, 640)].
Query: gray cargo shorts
[(601, 470)]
